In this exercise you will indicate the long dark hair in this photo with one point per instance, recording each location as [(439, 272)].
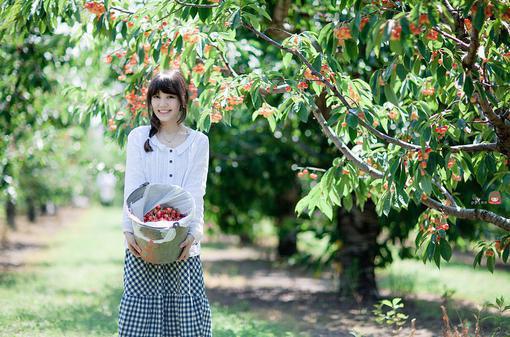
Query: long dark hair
[(169, 82)]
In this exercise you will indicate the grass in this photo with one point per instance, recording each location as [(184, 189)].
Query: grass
[(405, 277), (74, 288), (412, 277)]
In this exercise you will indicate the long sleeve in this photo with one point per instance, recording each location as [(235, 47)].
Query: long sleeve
[(134, 175), (195, 184)]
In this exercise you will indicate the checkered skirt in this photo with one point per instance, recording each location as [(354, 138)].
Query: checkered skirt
[(164, 300)]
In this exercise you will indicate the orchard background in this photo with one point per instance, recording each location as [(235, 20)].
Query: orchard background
[(361, 145)]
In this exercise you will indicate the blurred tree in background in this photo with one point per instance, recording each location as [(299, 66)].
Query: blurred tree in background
[(406, 102)]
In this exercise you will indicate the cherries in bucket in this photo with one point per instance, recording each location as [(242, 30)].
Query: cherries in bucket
[(159, 213)]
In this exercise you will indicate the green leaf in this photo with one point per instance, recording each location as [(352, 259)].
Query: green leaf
[(401, 72), (272, 122), (387, 204), (287, 59), (426, 184), (491, 262), (468, 86), (441, 75), (437, 257), (317, 62), (427, 254), (334, 197), (351, 48), (423, 50), (260, 10), (301, 205), (347, 201), (303, 112), (446, 250), (390, 95), (204, 13), (478, 258), (352, 120), (235, 20), (326, 208), (479, 16), (481, 172)]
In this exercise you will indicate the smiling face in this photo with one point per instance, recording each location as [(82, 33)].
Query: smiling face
[(166, 107)]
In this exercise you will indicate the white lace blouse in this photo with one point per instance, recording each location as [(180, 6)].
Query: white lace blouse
[(185, 165)]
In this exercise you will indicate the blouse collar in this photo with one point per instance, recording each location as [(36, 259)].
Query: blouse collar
[(179, 148)]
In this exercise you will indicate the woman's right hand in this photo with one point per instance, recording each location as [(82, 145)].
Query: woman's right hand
[(132, 245)]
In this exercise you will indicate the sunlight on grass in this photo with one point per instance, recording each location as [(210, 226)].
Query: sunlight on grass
[(74, 288), (412, 276)]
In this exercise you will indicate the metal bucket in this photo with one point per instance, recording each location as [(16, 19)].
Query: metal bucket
[(159, 241)]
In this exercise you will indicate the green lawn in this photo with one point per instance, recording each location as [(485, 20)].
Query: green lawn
[(412, 277), (74, 288), (478, 285)]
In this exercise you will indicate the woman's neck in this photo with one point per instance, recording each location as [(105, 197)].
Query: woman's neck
[(171, 128)]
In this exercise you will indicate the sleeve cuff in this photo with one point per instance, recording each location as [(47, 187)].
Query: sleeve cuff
[(197, 234)]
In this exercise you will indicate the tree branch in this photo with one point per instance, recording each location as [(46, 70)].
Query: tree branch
[(502, 130), (122, 10), (470, 57), (445, 193), (489, 147), (386, 138), (463, 45), (472, 214), (459, 23), (187, 4), (230, 69), (454, 210)]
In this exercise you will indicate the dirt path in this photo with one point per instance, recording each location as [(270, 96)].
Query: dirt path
[(277, 292), (17, 246), (251, 279)]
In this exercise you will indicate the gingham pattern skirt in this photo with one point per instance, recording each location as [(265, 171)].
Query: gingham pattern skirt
[(164, 300)]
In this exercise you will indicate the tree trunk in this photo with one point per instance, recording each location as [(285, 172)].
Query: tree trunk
[(280, 13), (286, 222), (44, 208), (287, 236), (31, 213), (245, 239), (10, 213), (358, 231)]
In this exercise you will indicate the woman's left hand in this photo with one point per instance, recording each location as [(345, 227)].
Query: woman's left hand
[(186, 244)]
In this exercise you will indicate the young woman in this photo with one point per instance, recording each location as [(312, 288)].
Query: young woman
[(170, 299)]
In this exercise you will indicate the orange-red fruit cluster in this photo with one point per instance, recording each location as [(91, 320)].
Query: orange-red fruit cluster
[(395, 32), (441, 131), (95, 8), (266, 110), (191, 35), (343, 33), (302, 85), (136, 102), (312, 176), (159, 214), (432, 35), (363, 22), (428, 92)]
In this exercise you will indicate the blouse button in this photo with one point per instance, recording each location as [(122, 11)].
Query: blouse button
[(170, 175), (171, 161), (171, 150)]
